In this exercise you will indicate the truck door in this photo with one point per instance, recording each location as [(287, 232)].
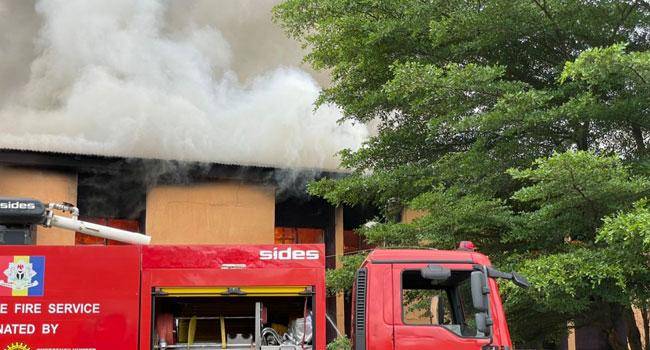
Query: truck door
[(433, 314)]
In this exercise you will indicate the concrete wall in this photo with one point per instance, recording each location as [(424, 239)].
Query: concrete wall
[(408, 215), (224, 212), (46, 186)]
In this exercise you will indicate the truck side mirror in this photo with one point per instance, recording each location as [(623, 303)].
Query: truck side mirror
[(516, 278), (435, 272), (479, 297), (520, 280)]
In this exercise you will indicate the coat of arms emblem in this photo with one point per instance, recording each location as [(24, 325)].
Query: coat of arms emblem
[(19, 276), (17, 346)]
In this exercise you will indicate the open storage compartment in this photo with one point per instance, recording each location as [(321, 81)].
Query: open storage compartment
[(263, 318)]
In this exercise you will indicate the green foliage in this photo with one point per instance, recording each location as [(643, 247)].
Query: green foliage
[(565, 286), (616, 84), (628, 236), (360, 40), (570, 252), (340, 343), (463, 93), (629, 231), (609, 69), (454, 216), (581, 276), (382, 188), (341, 279), (569, 194)]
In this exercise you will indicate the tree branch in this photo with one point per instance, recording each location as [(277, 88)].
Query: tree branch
[(644, 4), (637, 74), (592, 204), (556, 26)]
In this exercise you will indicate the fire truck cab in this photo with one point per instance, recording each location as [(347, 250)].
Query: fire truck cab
[(429, 299)]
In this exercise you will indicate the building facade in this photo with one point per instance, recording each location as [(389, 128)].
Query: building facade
[(183, 203)]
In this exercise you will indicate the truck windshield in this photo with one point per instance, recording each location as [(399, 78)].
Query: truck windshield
[(446, 303)]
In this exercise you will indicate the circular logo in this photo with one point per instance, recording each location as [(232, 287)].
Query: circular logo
[(17, 346)]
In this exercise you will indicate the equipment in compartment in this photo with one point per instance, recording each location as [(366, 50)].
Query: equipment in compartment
[(233, 322)]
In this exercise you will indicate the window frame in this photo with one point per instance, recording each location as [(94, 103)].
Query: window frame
[(455, 309)]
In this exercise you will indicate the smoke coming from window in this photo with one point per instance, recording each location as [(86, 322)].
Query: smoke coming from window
[(211, 81)]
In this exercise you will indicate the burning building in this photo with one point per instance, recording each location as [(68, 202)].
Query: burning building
[(181, 203), (189, 121)]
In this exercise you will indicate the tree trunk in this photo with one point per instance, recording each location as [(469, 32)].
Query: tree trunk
[(616, 313), (612, 339), (608, 317), (637, 133), (633, 334), (582, 136), (646, 325)]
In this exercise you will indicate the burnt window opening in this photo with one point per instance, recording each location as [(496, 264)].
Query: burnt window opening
[(116, 199), (354, 218), (305, 212), (302, 220), (113, 196)]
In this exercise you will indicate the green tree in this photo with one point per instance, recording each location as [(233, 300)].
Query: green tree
[(628, 236), (560, 235), (461, 92)]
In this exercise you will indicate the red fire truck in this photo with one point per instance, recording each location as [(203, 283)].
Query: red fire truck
[(266, 297)]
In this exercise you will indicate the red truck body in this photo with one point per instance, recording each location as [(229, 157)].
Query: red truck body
[(264, 297), (113, 297), (98, 297)]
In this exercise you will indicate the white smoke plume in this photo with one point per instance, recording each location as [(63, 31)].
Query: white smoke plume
[(165, 80)]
